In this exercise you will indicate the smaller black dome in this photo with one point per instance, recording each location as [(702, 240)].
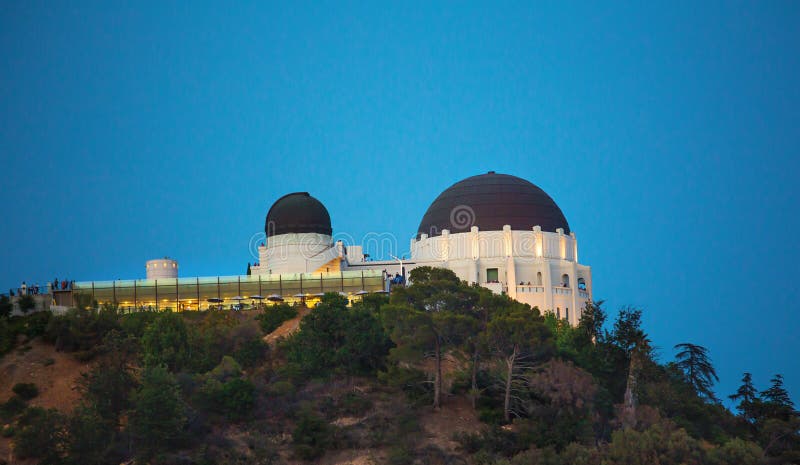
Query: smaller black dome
[(297, 212)]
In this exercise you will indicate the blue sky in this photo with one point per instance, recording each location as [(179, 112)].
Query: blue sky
[(667, 132)]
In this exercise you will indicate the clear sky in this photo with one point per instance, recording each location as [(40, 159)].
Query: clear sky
[(667, 133)]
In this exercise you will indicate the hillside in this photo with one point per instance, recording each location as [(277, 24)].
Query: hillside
[(440, 373)]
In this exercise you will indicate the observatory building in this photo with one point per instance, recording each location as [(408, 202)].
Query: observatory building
[(495, 230), (499, 231)]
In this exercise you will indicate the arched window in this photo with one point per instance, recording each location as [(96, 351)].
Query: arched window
[(581, 284), (539, 278), (565, 280)]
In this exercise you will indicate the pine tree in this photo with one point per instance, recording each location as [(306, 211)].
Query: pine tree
[(696, 365), (747, 396), (776, 400)]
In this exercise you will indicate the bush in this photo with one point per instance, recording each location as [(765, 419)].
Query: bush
[(41, 434), (36, 324), (312, 436), (158, 417), (12, 407), (234, 399), (166, 341), (274, 316), (26, 391), (134, 324), (252, 353), (6, 307), (80, 330)]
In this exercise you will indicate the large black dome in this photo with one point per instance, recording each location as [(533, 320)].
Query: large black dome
[(490, 201), (298, 212)]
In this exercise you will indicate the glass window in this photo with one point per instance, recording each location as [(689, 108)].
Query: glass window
[(491, 275)]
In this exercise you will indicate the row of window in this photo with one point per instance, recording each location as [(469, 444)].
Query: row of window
[(492, 276), (163, 265)]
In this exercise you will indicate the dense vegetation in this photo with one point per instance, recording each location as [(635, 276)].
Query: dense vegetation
[(204, 387)]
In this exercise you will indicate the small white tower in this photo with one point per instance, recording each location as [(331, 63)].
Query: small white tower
[(161, 268)]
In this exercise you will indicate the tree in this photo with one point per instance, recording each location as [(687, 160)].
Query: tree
[(591, 323), (777, 396), (166, 341), (274, 316), (42, 434), (6, 307), (107, 387), (312, 435), (429, 318), (516, 339), (421, 334), (157, 419), (746, 395), (334, 337), (660, 444), (627, 332), (696, 365), (631, 347), (89, 439)]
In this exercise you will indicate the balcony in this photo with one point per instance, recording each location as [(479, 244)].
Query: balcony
[(561, 290), (529, 289), (495, 287)]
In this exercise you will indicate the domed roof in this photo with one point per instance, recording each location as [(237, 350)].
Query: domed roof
[(490, 201), (298, 212)]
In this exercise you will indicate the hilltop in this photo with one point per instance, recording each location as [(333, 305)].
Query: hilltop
[(439, 373)]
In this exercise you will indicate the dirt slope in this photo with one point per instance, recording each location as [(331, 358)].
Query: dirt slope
[(56, 380)]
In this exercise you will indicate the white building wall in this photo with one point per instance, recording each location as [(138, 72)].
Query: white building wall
[(530, 265), (295, 253)]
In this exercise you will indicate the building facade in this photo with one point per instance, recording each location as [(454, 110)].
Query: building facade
[(495, 230), (499, 231)]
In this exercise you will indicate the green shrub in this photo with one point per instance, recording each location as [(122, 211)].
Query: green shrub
[(26, 391), (354, 404), (12, 407), (158, 417), (134, 324), (7, 336), (400, 455), (312, 436), (6, 307), (80, 330), (233, 399), (252, 353), (41, 434), (166, 341), (274, 316), (36, 324)]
